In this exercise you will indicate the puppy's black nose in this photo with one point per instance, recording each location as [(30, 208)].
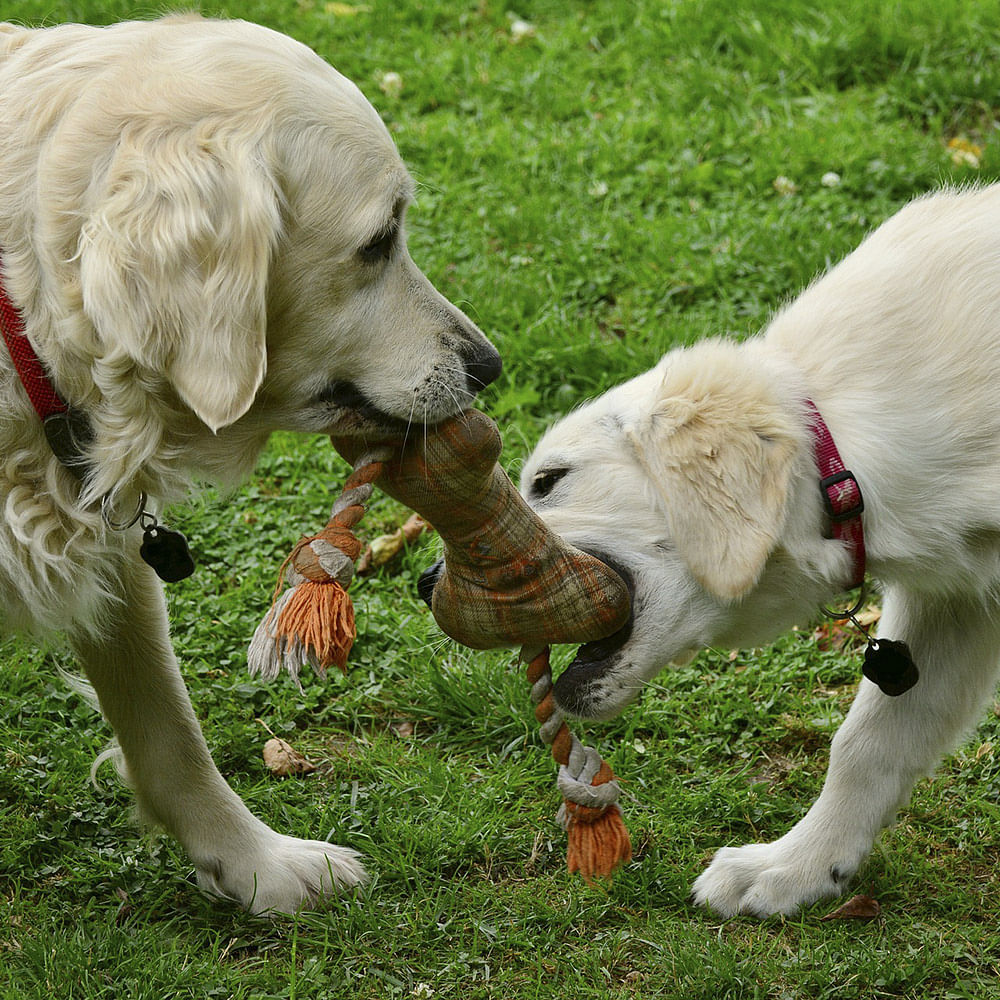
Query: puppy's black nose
[(428, 581), (482, 368)]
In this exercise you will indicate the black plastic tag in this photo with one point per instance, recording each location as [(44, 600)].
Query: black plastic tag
[(167, 552), (888, 664), (69, 435)]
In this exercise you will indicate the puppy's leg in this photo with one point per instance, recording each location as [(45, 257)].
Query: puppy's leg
[(134, 672), (883, 747)]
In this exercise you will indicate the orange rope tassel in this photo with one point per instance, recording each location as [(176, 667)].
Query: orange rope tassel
[(597, 838), (597, 841), (313, 620), (321, 617)]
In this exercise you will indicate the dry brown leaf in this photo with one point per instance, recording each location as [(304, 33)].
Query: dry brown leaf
[(869, 616), (835, 635), (386, 547), (857, 908), (282, 759)]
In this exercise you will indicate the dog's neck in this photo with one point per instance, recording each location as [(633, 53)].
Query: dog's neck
[(68, 433)]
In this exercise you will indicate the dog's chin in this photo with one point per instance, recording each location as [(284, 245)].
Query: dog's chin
[(348, 412), (587, 689), (370, 424), (603, 680)]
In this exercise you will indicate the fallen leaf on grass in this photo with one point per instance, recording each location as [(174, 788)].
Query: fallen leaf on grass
[(282, 759), (346, 9), (965, 153), (386, 547), (870, 616), (858, 908)]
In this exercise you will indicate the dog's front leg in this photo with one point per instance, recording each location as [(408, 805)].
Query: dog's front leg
[(883, 747), (132, 667)]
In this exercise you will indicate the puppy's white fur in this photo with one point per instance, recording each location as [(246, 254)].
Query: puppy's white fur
[(699, 478), (202, 225)]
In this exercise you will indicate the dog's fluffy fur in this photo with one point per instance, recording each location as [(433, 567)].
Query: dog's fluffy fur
[(202, 224), (698, 480)]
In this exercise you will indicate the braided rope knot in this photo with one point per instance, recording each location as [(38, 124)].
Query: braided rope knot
[(590, 814)]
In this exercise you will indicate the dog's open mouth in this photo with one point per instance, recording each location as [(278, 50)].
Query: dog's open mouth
[(354, 412), (594, 659)]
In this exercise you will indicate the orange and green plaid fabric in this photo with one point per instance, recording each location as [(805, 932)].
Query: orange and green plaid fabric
[(508, 580)]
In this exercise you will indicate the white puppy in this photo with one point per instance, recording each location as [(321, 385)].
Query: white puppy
[(699, 481), (201, 226)]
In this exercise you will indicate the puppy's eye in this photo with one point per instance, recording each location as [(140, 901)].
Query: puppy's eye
[(544, 482), (380, 248)]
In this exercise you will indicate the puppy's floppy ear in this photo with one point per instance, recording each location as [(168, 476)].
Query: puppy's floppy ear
[(174, 262), (719, 451)]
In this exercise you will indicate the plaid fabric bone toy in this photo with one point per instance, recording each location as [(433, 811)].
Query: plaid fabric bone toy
[(506, 580)]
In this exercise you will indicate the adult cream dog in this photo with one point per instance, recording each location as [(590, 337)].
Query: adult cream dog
[(201, 231), (700, 481)]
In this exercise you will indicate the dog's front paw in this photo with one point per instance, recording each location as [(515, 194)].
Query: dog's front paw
[(763, 879), (283, 874)]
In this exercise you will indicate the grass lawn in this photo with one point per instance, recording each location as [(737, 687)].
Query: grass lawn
[(605, 182)]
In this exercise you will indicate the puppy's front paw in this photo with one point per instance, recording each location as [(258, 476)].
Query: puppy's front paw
[(283, 874), (762, 879)]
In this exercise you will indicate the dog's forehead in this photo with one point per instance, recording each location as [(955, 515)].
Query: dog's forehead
[(596, 427), (589, 436), (341, 170)]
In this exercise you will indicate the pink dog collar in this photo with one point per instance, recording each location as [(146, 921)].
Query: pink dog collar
[(841, 494)]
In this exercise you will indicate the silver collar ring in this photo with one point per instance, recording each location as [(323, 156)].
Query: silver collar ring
[(849, 615), (124, 525)]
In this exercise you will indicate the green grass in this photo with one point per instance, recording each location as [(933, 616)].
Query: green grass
[(593, 194)]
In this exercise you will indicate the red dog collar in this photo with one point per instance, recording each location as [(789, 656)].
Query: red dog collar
[(888, 662), (66, 430), (37, 385), (841, 494)]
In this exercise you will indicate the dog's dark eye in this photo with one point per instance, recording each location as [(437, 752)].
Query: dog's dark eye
[(380, 248), (545, 481)]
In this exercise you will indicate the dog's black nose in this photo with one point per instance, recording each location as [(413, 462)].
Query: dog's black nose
[(428, 581), (482, 368)]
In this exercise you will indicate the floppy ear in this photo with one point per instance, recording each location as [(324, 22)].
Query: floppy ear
[(174, 263), (720, 452)]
